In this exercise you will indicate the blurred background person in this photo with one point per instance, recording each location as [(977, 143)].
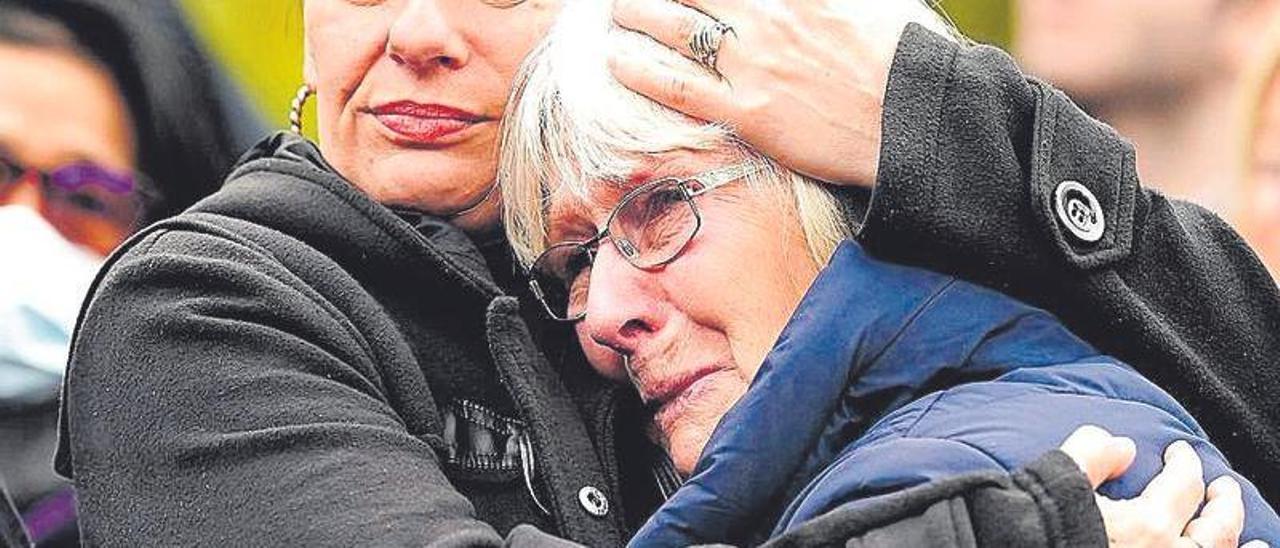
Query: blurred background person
[(110, 117), (1259, 159), (1164, 73)]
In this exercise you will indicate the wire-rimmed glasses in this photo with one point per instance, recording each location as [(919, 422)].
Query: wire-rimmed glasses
[(649, 227)]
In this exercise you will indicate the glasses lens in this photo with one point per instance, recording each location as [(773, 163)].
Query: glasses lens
[(561, 277), (653, 226), (88, 190)]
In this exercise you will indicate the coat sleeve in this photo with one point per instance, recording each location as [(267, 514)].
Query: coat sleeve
[(972, 159), (1046, 503), (214, 399)]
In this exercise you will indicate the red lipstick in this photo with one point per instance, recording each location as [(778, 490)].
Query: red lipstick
[(424, 124)]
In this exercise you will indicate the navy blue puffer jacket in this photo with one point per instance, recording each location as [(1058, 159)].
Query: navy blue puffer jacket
[(888, 377)]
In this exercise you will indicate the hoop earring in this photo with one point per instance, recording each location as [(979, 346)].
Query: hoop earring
[(295, 107)]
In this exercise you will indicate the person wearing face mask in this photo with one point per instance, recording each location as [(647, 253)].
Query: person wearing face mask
[(331, 350), (689, 264), (85, 141)]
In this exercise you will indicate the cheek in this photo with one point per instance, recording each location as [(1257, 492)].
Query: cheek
[(743, 277), (507, 36), (344, 42)]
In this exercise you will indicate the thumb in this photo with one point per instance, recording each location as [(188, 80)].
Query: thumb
[(1099, 455)]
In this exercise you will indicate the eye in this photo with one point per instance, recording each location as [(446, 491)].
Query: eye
[(86, 202)]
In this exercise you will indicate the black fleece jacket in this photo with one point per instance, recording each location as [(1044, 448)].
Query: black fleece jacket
[(289, 363), (292, 364)]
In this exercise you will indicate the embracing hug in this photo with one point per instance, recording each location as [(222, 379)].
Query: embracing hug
[(669, 273)]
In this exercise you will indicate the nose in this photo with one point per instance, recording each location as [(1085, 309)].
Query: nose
[(424, 37), (624, 310)]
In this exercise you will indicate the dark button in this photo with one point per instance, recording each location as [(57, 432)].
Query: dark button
[(1079, 211), (593, 501)]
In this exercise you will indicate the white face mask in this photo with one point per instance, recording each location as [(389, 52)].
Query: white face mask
[(43, 279)]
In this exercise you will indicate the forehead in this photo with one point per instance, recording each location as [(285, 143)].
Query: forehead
[(67, 108)]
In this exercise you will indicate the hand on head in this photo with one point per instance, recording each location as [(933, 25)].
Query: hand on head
[(796, 81)]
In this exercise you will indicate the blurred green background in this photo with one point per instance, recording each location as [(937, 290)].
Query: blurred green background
[(260, 42)]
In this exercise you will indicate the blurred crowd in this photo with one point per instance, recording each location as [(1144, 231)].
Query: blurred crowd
[(112, 116), (1193, 83)]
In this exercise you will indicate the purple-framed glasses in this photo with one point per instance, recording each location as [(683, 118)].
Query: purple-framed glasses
[(78, 191)]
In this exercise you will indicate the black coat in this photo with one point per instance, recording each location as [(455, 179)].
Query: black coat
[(972, 158), (290, 363)]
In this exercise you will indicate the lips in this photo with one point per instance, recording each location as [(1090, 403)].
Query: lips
[(425, 123), (675, 395)]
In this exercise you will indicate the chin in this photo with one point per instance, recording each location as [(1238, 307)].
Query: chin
[(685, 459), (430, 182), (685, 445)]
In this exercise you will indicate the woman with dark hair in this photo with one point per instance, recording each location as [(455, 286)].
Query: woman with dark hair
[(109, 120)]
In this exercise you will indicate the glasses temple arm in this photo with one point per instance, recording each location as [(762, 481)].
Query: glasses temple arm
[(720, 177)]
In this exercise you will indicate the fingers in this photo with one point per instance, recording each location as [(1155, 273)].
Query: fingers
[(1099, 454), (676, 83), (665, 21), (1222, 519), (1176, 492)]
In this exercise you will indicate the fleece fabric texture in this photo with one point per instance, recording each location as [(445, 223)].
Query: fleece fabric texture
[(972, 153), (270, 367), (1048, 500), (937, 378)]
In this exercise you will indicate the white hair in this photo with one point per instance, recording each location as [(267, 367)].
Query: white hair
[(570, 124)]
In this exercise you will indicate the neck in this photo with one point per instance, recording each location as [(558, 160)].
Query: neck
[(1186, 142)]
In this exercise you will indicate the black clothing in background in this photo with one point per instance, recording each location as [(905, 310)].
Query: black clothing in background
[(971, 156), (190, 125)]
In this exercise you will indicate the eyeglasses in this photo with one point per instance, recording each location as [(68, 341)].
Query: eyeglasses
[(649, 227), (78, 197)]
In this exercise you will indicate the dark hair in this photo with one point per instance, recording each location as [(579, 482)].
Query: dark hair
[(23, 27), (189, 124)]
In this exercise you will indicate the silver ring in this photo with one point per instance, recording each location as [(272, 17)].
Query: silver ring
[(705, 42)]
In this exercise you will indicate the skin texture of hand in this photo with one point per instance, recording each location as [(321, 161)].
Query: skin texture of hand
[(1162, 514), (797, 78)]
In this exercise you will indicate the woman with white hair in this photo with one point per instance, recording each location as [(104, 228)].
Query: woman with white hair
[(793, 379), (341, 322), (949, 158)]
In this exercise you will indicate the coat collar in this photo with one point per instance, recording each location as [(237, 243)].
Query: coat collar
[(337, 208), (868, 337)]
